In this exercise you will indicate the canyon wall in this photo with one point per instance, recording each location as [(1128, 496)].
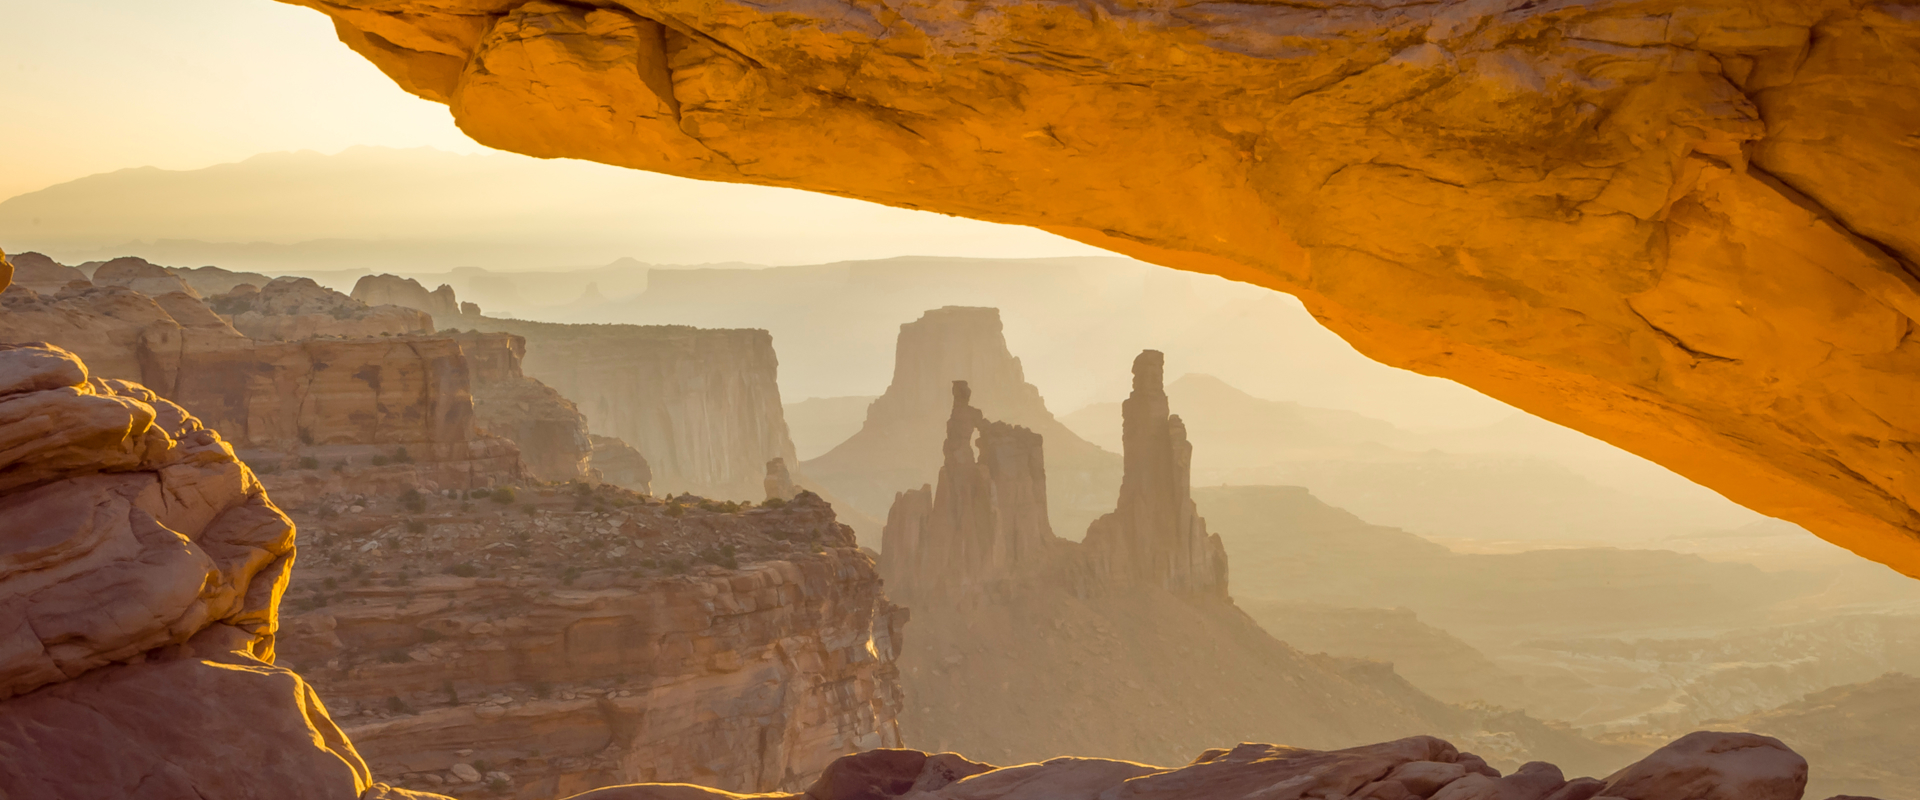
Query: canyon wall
[(899, 445), (703, 406), (549, 428), (583, 638), (1681, 226), (300, 411)]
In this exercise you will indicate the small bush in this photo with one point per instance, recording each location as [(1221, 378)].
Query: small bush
[(542, 690), (503, 495), (569, 575), (498, 785), (309, 462), (463, 570), (479, 493), (379, 461), (306, 436), (398, 706), (331, 583), (675, 509), (453, 697), (773, 502), (429, 635), (401, 456), (416, 526), (394, 656)]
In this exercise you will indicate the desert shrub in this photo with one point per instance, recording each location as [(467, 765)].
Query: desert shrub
[(416, 526), (498, 785), (463, 570), (398, 706), (379, 461), (720, 556), (309, 462), (479, 493), (569, 575), (331, 583), (401, 456), (675, 510), (503, 495), (430, 635), (453, 696), (394, 656), (773, 502), (542, 690)]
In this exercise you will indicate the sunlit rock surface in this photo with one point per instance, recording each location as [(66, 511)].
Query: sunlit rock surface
[(289, 309), (1683, 227), (140, 571)]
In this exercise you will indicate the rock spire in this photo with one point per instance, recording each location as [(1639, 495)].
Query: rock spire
[(1156, 535), (984, 522)]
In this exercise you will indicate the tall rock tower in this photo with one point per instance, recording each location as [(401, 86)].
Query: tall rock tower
[(897, 445), (1156, 536), (986, 519)]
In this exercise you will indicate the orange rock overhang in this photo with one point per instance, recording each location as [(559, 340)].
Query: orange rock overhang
[(1688, 228)]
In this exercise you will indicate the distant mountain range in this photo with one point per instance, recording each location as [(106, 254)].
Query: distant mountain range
[(384, 209)]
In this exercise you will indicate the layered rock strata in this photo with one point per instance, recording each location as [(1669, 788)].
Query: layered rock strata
[(703, 406), (398, 409), (577, 638), (1681, 227), (550, 430), (143, 566), (1704, 765), (900, 442)]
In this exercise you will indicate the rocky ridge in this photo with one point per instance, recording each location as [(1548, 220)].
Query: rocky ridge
[(549, 428), (576, 637), (383, 289)]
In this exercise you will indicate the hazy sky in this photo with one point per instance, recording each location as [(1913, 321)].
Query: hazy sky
[(94, 86)]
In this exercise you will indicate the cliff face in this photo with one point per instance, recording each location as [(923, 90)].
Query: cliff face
[(1156, 536), (603, 638), (899, 444), (703, 406), (619, 464), (550, 430), (140, 581), (303, 411)]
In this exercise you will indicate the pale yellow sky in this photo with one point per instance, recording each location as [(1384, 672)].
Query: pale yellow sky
[(96, 85)]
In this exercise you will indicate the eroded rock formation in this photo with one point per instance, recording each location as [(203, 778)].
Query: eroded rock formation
[(1683, 227), (580, 638), (619, 464), (779, 482), (703, 406), (376, 290), (290, 309), (900, 442), (1706, 766), (143, 565), (300, 411), (985, 522), (1156, 536), (141, 276), (550, 430), (42, 274)]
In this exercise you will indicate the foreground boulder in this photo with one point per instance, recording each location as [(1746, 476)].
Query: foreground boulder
[(140, 571), (1699, 766)]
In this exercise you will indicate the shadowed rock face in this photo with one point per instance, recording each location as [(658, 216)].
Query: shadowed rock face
[(1678, 226)]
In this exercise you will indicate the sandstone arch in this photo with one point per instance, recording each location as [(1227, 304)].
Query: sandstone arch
[(1687, 227)]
